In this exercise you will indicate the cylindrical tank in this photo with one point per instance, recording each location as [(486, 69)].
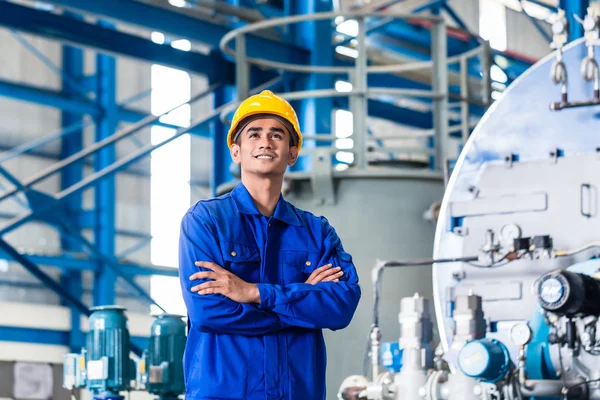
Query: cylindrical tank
[(377, 216), (108, 366), (165, 356)]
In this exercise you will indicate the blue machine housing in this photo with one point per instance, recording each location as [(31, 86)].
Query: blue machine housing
[(164, 375), (109, 368), (486, 360), (391, 356)]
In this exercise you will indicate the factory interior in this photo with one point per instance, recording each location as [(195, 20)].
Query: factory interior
[(439, 137)]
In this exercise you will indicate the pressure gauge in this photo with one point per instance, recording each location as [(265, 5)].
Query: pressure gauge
[(520, 334), (510, 232)]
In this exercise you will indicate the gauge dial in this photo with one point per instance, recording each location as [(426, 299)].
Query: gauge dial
[(520, 334)]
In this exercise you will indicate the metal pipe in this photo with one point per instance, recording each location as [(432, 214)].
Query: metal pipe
[(101, 144), (542, 388), (375, 338)]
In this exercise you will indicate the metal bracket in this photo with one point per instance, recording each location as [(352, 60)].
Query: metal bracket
[(555, 154), (510, 159), (322, 178)]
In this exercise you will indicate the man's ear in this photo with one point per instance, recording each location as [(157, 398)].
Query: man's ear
[(292, 155), (235, 153)]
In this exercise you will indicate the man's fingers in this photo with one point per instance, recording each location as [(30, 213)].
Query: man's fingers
[(203, 275), (316, 272), (208, 265), (209, 291), (333, 277), (206, 285), (327, 273), (321, 269)]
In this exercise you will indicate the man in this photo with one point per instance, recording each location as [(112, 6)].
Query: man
[(261, 278)]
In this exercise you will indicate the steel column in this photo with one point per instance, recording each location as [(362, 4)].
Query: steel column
[(574, 8), (314, 114), (221, 172), (440, 86), (104, 194), (73, 67)]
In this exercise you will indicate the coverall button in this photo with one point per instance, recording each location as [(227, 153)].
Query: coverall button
[(308, 263), (233, 253)]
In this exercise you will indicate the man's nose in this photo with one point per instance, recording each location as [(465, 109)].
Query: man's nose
[(266, 143)]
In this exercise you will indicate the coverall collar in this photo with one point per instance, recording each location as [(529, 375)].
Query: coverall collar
[(283, 211)]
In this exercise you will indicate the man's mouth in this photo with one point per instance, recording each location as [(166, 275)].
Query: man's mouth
[(264, 157)]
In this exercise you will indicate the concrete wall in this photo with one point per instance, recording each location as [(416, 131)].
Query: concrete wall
[(375, 219)]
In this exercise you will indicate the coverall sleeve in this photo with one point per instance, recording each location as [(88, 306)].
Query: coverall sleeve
[(326, 305), (215, 313)]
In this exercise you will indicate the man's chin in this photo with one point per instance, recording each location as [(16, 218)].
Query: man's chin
[(267, 172)]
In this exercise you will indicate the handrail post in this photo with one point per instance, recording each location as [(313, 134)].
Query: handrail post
[(486, 64), (358, 101), (440, 86), (464, 99), (242, 68)]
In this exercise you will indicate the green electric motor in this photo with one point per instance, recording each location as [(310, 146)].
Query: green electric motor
[(164, 358), (109, 369)]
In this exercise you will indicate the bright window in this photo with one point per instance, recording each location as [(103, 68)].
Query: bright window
[(492, 23), (169, 181), (343, 130)]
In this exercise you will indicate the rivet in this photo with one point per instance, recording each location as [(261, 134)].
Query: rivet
[(233, 253), (308, 263)]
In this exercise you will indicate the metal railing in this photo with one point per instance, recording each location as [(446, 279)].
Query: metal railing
[(359, 95)]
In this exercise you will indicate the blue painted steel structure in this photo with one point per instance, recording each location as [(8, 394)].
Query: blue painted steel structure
[(302, 43), (105, 191), (73, 69)]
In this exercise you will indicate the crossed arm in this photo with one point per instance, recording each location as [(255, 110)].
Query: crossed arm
[(219, 301)]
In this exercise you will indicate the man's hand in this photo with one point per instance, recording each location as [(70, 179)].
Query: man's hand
[(225, 283), (325, 274)]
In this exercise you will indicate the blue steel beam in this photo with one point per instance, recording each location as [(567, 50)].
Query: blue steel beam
[(42, 276), (105, 192), (314, 114), (68, 81), (72, 73), (118, 166), (72, 263), (53, 337), (71, 30), (221, 171), (46, 97), (164, 20), (53, 98)]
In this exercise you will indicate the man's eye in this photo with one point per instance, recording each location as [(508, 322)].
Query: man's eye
[(252, 135), (277, 136)]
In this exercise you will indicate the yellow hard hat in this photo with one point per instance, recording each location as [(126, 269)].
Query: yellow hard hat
[(266, 102)]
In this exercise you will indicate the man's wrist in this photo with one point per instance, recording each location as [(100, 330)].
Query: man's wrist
[(255, 294)]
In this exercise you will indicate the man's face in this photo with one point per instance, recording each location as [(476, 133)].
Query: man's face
[(264, 148)]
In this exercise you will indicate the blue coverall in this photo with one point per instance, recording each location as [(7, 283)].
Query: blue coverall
[(275, 349)]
